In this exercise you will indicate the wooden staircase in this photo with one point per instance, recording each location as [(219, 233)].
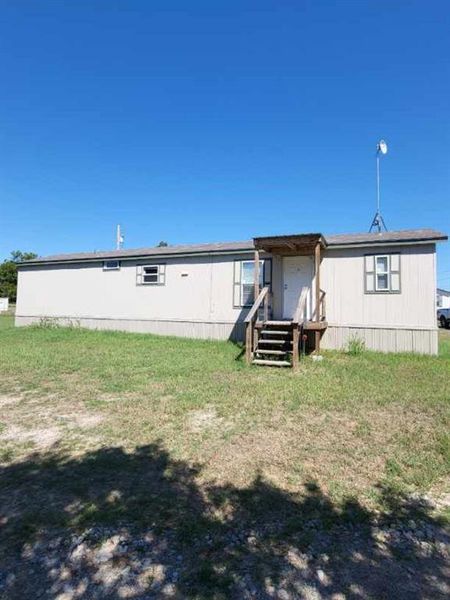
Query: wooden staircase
[(277, 343), (273, 346)]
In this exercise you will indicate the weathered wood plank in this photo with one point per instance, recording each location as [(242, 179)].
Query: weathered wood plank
[(299, 311), (295, 347), (254, 309), (271, 363), (248, 343)]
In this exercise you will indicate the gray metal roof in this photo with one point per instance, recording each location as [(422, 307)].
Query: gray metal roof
[(385, 237), (350, 239), (214, 248)]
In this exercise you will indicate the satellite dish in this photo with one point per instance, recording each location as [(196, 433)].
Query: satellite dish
[(382, 147)]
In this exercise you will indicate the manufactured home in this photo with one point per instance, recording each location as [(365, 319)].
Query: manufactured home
[(279, 294)]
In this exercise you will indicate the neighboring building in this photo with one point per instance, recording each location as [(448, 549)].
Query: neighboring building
[(442, 298), (379, 287), (4, 304)]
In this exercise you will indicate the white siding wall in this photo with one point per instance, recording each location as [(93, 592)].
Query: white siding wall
[(421, 341), (88, 292), (342, 277)]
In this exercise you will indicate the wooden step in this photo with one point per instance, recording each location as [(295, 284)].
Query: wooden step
[(271, 363), (315, 325), (277, 352), (270, 341), (275, 332), (278, 323)]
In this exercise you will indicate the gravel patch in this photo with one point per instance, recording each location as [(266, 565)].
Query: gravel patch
[(385, 561)]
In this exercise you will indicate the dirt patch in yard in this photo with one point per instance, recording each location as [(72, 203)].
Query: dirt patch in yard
[(201, 420), (41, 437), (37, 422), (83, 420), (8, 400)]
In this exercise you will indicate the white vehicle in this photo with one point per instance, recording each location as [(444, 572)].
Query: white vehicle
[(443, 317)]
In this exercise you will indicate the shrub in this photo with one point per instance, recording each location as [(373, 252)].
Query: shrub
[(355, 346)]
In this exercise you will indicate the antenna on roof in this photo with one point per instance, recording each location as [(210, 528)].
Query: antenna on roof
[(119, 238), (378, 223)]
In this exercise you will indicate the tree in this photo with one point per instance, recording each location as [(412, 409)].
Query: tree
[(17, 256), (163, 244), (8, 273)]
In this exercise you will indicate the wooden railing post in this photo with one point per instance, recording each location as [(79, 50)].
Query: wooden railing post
[(250, 333), (255, 337), (248, 342), (297, 322), (295, 346), (266, 307)]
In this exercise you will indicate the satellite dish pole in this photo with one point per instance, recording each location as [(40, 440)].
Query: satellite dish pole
[(378, 223), (119, 238)]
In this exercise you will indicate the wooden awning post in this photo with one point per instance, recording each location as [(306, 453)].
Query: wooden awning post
[(317, 289), (317, 278), (256, 274)]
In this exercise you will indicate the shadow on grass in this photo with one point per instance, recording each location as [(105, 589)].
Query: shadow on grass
[(240, 348), (112, 524)]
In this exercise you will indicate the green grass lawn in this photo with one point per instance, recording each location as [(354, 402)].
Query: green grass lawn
[(82, 406), (347, 422)]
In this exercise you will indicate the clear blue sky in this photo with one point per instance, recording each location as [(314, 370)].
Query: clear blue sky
[(220, 120)]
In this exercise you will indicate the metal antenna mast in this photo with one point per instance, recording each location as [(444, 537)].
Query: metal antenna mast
[(119, 238), (378, 223)]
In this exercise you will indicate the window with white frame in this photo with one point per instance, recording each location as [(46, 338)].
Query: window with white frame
[(151, 274), (244, 280), (111, 265), (382, 273)]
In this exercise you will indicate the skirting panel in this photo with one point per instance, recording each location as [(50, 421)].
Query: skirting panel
[(421, 341), (334, 338), (189, 329)]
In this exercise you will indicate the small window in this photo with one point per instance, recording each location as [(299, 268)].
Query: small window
[(248, 281), (111, 265), (382, 273), (244, 284), (151, 274)]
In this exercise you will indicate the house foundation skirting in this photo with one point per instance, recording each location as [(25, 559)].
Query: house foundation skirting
[(383, 339), (335, 337), (213, 330)]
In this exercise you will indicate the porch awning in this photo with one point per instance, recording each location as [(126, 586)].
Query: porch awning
[(300, 244)]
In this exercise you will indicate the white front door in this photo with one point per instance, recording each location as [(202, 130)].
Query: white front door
[(297, 272)]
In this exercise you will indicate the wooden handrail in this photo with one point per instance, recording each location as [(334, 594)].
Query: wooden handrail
[(319, 311), (298, 314), (254, 309), (251, 335), (323, 312)]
